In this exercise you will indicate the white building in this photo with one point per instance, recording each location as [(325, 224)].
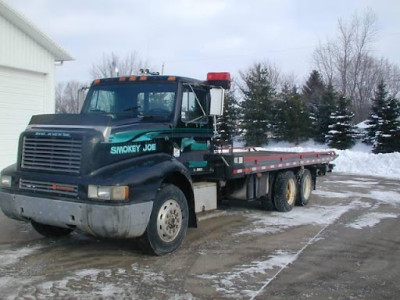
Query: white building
[(27, 63)]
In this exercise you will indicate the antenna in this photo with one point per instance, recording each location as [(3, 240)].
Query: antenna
[(114, 65), (148, 72)]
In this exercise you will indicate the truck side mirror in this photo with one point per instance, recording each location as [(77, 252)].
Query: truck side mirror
[(217, 101)]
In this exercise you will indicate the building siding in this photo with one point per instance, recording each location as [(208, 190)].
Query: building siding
[(19, 51), (26, 86)]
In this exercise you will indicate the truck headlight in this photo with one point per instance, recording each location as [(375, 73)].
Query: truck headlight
[(108, 192), (6, 181)]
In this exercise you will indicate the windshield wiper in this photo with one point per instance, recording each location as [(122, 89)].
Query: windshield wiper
[(98, 110), (133, 108), (146, 117)]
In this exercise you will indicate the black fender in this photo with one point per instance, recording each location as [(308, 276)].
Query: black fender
[(10, 170), (145, 175)]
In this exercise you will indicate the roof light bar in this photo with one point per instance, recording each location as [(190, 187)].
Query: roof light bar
[(222, 79), (220, 76)]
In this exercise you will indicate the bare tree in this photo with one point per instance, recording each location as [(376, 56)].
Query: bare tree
[(323, 58), (390, 74), (114, 65), (348, 64), (69, 96), (289, 80)]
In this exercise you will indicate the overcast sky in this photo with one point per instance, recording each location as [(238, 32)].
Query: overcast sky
[(195, 37)]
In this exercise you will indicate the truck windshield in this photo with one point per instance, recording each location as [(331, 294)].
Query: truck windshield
[(144, 100)]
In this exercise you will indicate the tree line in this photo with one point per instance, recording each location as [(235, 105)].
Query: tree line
[(258, 110)]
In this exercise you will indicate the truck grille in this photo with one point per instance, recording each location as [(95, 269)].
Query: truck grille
[(49, 187), (61, 155)]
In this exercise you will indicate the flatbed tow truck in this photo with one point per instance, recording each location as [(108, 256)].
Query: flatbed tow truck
[(140, 160)]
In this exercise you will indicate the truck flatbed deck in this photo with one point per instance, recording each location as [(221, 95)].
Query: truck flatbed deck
[(247, 162)]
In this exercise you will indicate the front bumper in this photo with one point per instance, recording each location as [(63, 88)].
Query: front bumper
[(103, 220)]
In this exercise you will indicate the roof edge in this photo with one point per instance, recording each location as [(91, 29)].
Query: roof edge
[(34, 32)]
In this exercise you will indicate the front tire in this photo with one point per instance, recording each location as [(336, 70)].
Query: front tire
[(285, 191), (50, 231), (168, 221)]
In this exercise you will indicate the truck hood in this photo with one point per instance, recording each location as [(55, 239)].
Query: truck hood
[(115, 132), (95, 122), (82, 120)]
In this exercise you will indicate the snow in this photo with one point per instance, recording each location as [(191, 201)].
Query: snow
[(333, 131), (231, 282), (370, 220), (357, 160), (105, 283), (10, 257), (388, 197), (381, 165), (314, 215), (359, 184), (363, 125)]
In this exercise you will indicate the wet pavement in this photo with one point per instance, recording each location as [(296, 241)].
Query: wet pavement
[(345, 244)]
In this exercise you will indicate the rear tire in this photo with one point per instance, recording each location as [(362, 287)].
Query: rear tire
[(304, 185), (50, 231), (168, 221), (285, 191)]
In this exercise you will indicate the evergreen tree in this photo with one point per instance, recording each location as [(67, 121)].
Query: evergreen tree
[(341, 133), (292, 122), (322, 114), (258, 93), (378, 102), (387, 138), (313, 90), (227, 123)]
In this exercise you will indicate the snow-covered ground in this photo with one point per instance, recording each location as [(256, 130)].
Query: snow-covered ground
[(358, 160)]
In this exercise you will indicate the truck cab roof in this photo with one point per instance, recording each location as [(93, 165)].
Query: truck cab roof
[(214, 79), (147, 78)]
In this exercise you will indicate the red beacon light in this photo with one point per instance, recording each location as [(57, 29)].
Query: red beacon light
[(222, 79)]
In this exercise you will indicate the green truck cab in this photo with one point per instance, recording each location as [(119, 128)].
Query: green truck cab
[(124, 166)]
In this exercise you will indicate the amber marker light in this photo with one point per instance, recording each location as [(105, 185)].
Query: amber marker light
[(126, 192)]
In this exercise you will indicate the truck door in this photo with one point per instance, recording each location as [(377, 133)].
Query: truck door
[(195, 130)]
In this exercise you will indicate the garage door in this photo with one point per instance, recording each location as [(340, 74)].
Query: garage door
[(21, 96)]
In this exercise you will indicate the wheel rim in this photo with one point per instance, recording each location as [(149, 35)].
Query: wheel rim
[(291, 192), (169, 220), (307, 187)]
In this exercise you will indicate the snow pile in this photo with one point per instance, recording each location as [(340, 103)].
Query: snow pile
[(358, 160), (363, 125)]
